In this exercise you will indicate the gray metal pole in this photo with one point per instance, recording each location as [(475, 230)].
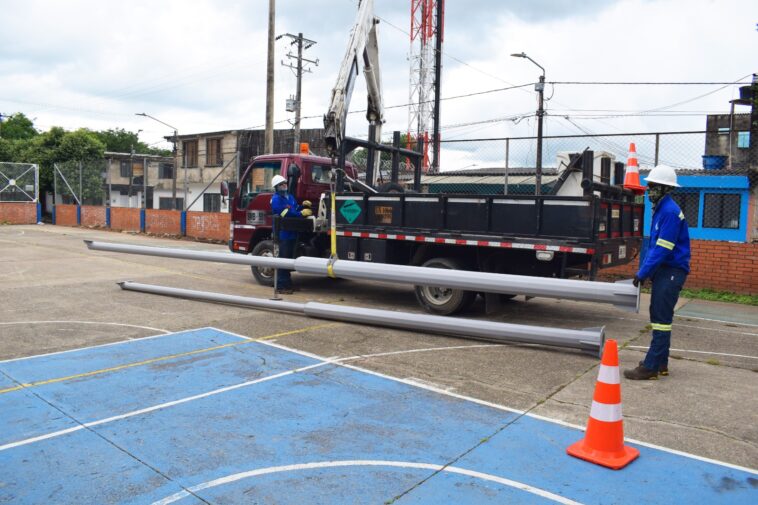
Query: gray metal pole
[(588, 339), (298, 93), (621, 294), (144, 183), (269, 133)]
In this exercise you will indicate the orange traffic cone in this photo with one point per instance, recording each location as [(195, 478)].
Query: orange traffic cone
[(603, 442), (632, 175)]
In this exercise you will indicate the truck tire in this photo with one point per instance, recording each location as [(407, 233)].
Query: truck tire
[(443, 301), (264, 276)]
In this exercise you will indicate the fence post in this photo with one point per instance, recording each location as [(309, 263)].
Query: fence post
[(657, 147), (39, 212), (144, 183), (183, 224), (108, 216), (142, 220), (54, 207), (507, 155), (81, 199), (78, 215)]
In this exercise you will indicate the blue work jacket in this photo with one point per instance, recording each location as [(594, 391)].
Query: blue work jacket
[(285, 206), (669, 239)]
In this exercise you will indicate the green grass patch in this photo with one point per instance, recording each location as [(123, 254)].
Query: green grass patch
[(716, 296), (719, 296)]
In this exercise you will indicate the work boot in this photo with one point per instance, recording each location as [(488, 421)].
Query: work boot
[(641, 374), (662, 369), (284, 291)]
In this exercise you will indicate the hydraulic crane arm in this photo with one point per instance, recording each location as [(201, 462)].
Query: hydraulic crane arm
[(362, 44)]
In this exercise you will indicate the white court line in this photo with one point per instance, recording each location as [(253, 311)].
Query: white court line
[(717, 320), (698, 352), (133, 413), (680, 325), (164, 334), (377, 463), (503, 407)]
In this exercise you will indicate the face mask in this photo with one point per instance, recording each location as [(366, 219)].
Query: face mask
[(281, 190), (655, 194)]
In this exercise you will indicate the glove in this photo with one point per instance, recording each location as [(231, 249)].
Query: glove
[(307, 204), (637, 281), (306, 212)]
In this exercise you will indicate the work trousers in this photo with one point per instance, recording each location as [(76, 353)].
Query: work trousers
[(286, 250), (667, 283)]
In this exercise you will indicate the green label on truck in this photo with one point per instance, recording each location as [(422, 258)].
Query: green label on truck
[(350, 210)]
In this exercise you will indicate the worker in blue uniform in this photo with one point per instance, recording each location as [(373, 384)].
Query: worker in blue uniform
[(284, 204), (667, 264)]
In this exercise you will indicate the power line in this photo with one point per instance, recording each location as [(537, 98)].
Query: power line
[(648, 83)]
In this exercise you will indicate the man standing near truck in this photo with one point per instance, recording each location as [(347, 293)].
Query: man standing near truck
[(284, 204), (667, 263)]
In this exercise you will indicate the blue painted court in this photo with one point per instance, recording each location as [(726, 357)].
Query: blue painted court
[(206, 416)]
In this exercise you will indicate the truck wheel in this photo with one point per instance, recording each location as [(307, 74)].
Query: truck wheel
[(264, 276), (443, 301)]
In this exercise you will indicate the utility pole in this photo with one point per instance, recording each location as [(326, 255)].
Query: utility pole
[(269, 137), (302, 44)]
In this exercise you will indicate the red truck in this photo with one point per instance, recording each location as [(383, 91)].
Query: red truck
[(539, 235)]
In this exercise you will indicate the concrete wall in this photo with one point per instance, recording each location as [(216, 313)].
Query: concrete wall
[(721, 266), (18, 212)]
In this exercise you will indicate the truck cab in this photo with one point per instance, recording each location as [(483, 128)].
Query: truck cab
[(308, 177)]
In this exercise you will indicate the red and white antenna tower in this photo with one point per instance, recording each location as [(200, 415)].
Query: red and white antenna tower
[(421, 97)]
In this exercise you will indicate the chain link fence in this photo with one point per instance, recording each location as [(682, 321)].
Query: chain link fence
[(80, 182), (717, 168), (19, 182)]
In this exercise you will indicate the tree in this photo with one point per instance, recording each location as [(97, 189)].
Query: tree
[(118, 140), (17, 127)]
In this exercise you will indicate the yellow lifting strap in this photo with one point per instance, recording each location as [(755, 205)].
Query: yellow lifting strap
[(333, 238)]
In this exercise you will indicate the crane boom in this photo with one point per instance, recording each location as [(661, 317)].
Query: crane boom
[(361, 45)]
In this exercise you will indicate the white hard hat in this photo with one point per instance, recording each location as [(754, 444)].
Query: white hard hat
[(663, 174), (278, 179)]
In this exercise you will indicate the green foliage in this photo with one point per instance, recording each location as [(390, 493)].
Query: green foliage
[(17, 127), (118, 140)]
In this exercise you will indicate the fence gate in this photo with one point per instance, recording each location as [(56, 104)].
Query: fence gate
[(19, 182), (80, 182)]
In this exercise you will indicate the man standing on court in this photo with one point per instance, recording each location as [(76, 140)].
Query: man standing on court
[(283, 204), (667, 263)]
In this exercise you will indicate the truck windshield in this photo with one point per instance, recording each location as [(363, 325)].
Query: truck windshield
[(321, 174), (259, 177)]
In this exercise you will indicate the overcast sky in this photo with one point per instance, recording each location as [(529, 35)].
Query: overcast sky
[(200, 65)]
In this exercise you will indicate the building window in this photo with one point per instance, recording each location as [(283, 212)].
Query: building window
[(689, 202), (126, 168), (165, 203), (724, 131), (213, 156), (721, 210), (743, 140), (211, 202), (189, 159), (166, 171)]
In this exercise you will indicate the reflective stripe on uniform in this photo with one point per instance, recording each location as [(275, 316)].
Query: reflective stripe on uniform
[(609, 374), (605, 412), (681, 215), (665, 243), (661, 327), (284, 211)]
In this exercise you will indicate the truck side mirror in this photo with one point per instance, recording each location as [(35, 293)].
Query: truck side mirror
[(293, 176)]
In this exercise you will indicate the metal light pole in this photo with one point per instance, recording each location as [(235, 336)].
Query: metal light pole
[(173, 175), (539, 88)]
